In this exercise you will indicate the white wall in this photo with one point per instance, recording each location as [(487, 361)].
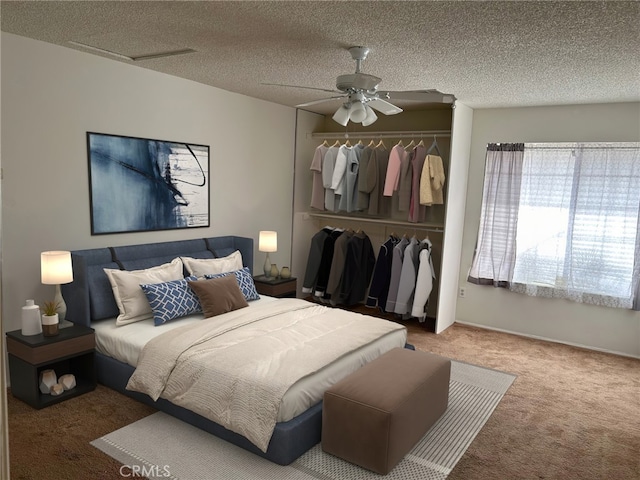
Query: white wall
[(51, 96), (600, 328)]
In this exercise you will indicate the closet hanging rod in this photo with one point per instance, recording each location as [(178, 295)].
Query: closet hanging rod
[(399, 134)]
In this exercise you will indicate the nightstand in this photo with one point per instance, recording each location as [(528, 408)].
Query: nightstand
[(71, 351), (276, 287)]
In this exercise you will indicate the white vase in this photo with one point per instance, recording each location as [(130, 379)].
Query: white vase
[(31, 323), (274, 271), (50, 325), (285, 273)]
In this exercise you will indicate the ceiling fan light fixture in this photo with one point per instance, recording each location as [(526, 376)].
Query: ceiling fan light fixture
[(342, 114), (370, 118), (358, 112)]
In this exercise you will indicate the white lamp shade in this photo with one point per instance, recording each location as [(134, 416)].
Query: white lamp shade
[(268, 241), (370, 118), (342, 115), (55, 267), (358, 112)]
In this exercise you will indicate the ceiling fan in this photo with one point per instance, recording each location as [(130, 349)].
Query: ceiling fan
[(360, 91)]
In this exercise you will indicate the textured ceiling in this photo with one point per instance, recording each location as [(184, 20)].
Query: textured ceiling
[(488, 54)]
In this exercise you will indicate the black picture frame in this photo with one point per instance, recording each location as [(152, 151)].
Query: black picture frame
[(141, 184)]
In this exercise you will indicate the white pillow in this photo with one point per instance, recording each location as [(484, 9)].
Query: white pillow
[(202, 266), (129, 296)]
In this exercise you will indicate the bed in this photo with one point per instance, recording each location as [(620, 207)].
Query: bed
[(90, 301)]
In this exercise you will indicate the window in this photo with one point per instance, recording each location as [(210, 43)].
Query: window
[(572, 230)]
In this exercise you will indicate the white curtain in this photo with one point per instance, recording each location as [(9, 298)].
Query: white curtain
[(495, 254), (562, 220), (578, 223)]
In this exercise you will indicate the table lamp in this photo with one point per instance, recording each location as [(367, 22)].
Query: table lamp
[(268, 242), (55, 269)]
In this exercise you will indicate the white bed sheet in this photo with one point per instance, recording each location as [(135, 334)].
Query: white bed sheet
[(125, 343)]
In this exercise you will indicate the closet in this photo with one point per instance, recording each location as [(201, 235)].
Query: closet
[(431, 130)]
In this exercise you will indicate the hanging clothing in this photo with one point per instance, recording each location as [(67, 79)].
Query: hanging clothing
[(379, 288), (337, 265), (338, 183), (407, 284), (404, 182), (432, 181), (313, 260), (358, 268), (363, 188), (325, 262), (349, 200), (328, 166), (392, 177), (396, 270), (317, 185), (376, 174), (424, 281), (417, 212)]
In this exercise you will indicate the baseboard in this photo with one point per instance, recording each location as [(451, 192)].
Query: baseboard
[(547, 339)]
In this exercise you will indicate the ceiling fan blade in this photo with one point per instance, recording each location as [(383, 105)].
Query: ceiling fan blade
[(300, 86), (426, 96), (315, 102), (384, 107)]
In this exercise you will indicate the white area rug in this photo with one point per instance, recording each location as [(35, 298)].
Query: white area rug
[(162, 447)]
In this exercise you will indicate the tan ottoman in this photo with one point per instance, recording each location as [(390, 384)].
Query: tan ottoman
[(375, 416)]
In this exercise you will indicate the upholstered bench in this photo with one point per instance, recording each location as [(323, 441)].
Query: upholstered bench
[(375, 416)]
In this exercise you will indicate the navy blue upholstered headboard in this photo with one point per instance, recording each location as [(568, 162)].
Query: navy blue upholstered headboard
[(90, 297)]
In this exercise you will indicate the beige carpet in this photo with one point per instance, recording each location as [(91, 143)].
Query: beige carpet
[(570, 414)]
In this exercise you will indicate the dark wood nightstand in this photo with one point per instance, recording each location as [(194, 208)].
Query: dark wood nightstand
[(276, 287), (71, 351)]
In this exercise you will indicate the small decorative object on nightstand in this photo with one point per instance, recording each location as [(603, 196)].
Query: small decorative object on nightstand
[(276, 287), (285, 273), (50, 319), (38, 363), (31, 324)]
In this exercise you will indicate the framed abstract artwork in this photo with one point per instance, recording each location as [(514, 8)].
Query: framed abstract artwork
[(140, 184)]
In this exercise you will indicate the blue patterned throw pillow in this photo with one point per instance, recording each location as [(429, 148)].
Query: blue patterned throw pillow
[(245, 282), (171, 300)]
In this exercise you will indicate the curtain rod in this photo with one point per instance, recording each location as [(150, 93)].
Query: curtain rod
[(388, 134)]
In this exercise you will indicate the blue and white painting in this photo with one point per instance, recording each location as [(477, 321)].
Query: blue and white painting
[(138, 184)]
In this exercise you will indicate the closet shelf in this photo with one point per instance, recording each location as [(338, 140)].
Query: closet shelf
[(432, 227), (388, 134)]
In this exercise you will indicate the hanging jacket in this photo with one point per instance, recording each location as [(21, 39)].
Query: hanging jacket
[(416, 211), (325, 262), (396, 270), (313, 260), (424, 281), (358, 268), (407, 284), (337, 265), (379, 288)]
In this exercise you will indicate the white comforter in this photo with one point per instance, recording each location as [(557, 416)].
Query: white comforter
[(236, 370)]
